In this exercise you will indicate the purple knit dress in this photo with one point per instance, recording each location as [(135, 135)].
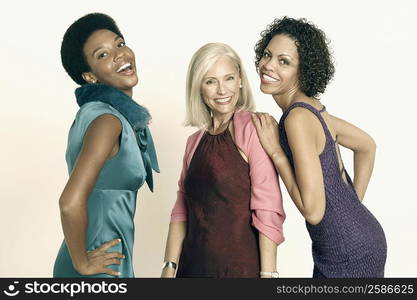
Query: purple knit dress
[(348, 241)]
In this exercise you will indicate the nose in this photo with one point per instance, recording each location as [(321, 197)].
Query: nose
[(220, 89), (269, 65), (119, 55)]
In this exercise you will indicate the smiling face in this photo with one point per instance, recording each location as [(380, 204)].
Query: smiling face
[(278, 67), (110, 61), (220, 87)]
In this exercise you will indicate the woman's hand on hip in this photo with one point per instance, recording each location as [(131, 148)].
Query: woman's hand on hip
[(98, 260)]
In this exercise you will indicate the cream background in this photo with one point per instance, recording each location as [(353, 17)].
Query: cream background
[(374, 45)]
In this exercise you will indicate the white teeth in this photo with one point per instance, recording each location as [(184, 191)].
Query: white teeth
[(269, 78), (223, 100), (123, 67)]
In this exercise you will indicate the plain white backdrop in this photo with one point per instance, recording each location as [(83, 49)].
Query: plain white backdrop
[(374, 47)]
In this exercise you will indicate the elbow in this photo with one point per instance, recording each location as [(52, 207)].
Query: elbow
[(313, 218), (368, 147), (371, 149), (67, 207), (372, 145), (314, 213)]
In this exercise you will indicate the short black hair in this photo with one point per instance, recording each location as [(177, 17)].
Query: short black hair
[(316, 67), (72, 55)]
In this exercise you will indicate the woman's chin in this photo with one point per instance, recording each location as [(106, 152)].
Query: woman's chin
[(132, 82), (127, 84), (266, 89)]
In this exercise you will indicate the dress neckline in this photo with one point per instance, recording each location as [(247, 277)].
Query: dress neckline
[(223, 131)]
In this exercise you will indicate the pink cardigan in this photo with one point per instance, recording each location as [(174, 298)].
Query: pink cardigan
[(266, 201)]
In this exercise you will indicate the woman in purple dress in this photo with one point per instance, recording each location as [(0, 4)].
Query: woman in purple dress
[(295, 65), (227, 220)]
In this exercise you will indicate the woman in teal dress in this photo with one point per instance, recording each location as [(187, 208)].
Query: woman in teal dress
[(110, 153)]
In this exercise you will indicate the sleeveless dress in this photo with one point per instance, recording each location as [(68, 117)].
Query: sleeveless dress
[(348, 241), (111, 204), (220, 241)]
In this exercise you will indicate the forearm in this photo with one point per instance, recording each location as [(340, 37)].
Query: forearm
[(307, 195), (285, 171), (363, 167), (74, 224), (268, 253), (176, 235)]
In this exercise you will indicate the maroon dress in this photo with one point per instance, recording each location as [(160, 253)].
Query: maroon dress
[(220, 241)]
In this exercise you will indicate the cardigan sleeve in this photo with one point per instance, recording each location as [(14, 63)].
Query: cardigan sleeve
[(266, 200), (179, 212)]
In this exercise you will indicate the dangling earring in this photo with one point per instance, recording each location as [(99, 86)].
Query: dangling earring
[(240, 86)]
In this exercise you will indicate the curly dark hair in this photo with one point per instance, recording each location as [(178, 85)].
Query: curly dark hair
[(72, 55), (316, 67)]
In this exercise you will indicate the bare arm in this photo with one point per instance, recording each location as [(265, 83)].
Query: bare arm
[(305, 185), (176, 235), (363, 147), (178, 225), (268, 253), (99, 142)]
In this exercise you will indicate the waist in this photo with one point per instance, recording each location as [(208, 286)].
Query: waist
[(110, 216)]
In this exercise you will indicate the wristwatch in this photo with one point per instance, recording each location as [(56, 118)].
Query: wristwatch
[(273, 274)]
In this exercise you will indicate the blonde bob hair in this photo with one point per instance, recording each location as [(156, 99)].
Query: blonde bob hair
[(198, 113)]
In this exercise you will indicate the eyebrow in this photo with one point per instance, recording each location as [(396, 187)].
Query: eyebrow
[(287, 55), (115, 39), (233, 73)]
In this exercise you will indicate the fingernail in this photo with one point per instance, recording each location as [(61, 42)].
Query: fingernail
[(123, 256), (118, 273), (119, 240)]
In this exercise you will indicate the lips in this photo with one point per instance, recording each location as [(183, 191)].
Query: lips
[(268, 79), (223, 100), (125, 69)]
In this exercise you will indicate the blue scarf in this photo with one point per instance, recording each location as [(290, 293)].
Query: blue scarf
[(136, 115)]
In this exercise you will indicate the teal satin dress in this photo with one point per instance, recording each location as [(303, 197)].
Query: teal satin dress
[(111, 204)]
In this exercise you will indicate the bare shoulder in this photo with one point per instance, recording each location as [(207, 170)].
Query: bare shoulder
[(301, 119), (106, 125), (102, 135)]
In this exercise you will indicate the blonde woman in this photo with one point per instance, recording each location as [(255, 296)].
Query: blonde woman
[(227, 220)]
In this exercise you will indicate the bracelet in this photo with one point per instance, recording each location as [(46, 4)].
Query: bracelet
[(273, 274), (169, 264)]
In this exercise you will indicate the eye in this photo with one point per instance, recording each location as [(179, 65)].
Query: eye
[(283, 61), (102, 55), (266, 55), (121, 44), (231, 78), (210, 81)]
